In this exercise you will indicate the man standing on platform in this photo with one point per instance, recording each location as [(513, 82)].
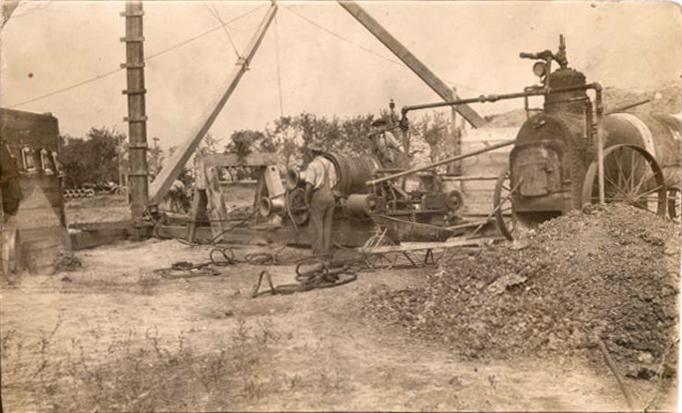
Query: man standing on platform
[(320, 180), (385, 146)]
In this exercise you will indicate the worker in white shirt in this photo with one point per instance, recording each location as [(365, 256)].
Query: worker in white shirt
[(320, 179)]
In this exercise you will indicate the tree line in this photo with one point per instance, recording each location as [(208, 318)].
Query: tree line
[(101, 156)]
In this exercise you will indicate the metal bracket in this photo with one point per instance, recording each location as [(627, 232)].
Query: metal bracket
[(137, 39), (132, 14), (134, 92), (132, 65), (140, 119)]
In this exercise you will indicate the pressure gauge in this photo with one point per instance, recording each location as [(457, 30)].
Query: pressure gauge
[(540, 69)]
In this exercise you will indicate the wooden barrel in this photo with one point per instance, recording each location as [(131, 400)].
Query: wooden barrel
[(8, 249), (40, 257)]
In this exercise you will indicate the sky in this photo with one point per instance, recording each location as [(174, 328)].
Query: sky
[(328, 63)]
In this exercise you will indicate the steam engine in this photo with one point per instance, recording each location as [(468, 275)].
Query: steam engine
[(555, 148)]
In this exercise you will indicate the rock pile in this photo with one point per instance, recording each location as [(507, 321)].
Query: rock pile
[(612, 273)]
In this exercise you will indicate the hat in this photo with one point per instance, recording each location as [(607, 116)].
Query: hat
[(379, 122), (315, 147)]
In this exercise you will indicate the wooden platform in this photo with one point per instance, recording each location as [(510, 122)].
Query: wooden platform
[(423, 246)]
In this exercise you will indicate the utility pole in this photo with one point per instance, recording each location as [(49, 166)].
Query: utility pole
[(137, 117)]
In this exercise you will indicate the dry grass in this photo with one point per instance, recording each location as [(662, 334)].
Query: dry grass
[(126, 370)]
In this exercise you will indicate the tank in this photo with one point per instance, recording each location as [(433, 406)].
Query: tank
[(659, 134)]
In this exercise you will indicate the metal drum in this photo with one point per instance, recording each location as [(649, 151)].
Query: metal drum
[(353, 173)]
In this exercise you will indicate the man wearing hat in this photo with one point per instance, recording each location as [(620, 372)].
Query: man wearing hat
[(320, 179), (385, 145)]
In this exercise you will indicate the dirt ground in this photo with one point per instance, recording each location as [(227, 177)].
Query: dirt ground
[(115, 335)]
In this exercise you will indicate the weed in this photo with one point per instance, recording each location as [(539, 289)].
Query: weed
[(294, 381), (492, 380), (123, 370)]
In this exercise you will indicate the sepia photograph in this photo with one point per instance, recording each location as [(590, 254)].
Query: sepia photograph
[(340, 205)]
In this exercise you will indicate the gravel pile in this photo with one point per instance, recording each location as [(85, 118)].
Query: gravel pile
[(613, 273)]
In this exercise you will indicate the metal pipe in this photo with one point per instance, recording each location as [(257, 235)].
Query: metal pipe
[(494, 98), (480, 99), (600, 140), (439, 163), (630, 106)]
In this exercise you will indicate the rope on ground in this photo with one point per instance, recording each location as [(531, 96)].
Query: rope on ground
[(264, 258), (218, 257), (187, 269), (321, 275)]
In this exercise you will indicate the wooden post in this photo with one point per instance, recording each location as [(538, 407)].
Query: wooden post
[(137, 118), (410, 60)]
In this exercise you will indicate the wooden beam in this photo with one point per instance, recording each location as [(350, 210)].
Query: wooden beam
[(169, 173), (419, 68)]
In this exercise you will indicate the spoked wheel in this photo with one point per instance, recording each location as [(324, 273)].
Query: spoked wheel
[(506, 220), (296, 208), (674, 203), (631, 176)]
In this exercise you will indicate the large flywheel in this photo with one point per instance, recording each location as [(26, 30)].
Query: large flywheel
[(631, 176), (296, 208)]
